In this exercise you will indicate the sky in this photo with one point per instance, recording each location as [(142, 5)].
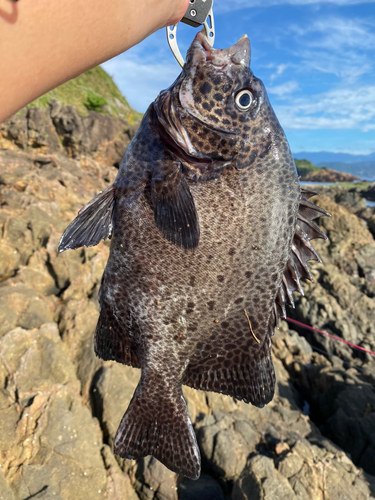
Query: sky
[(316, 59)]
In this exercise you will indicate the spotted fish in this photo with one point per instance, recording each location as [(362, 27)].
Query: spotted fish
[(210, 235)]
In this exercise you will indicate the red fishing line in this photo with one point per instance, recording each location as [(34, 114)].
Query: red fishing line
[(330, 335)]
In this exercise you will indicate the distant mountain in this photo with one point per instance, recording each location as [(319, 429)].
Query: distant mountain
[(360, 165), (325, 156), (364, 169)]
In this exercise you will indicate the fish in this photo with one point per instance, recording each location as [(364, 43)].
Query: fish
[(210, 235)]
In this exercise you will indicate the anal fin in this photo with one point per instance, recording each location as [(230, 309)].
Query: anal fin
[(157, 423), (92, 224), (251, 380)]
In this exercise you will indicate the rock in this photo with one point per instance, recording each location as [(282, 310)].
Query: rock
[(13, 132), (119, 486), (261, 480), (5, 491), (113, 389), (365, 258), (41, 132), (328, 175), (351, 200), (371, 225), (155, 481), (51, 425), (60, 405), (205, 488)]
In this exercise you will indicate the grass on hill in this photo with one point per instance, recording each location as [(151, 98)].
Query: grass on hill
[(94, 90), (304, 167)]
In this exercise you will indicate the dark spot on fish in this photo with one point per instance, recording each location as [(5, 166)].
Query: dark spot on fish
[(198, 99), (248, 274), (225, 324), (216, 80), (226, 88), (205, 88), (218, 97), (206, 106), (211, 305), (226, 121), (232, 251), (218, 112), (192, 281), (253, 155), (239, 300), (220, 278), (214, 119)]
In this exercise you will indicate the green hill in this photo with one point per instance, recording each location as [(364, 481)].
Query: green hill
[(304, 167), (93, 90)]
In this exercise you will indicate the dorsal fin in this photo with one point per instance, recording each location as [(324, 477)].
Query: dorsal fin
[(301, 252)]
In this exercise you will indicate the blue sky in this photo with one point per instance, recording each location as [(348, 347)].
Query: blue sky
[(316, 59)]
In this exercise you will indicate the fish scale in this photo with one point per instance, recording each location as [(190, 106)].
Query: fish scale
[(210, 235)]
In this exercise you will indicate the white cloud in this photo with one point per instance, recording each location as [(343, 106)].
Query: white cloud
[(284, 89), (336, 109), (343, 47), (280, 68), (140, 81), (338, 33)]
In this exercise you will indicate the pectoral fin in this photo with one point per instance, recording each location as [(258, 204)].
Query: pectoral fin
[(92, 224), (174, 209)]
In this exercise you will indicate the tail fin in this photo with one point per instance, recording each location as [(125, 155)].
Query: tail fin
[(159, 425)]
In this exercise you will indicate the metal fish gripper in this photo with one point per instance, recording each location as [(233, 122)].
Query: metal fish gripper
[(199, 13)]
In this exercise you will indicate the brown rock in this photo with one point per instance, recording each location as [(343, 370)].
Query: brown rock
[(328, 175)]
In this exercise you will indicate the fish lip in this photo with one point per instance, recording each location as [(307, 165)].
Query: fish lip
[(201, 51), (201, 38)]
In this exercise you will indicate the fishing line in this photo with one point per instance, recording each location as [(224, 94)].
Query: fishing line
[(354, 346)]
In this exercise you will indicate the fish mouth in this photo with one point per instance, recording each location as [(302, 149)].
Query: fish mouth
[(201, 51)]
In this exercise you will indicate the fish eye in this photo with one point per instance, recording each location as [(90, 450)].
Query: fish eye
[(244, 100)]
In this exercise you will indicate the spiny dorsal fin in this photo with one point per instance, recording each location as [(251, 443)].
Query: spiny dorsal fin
[(301, 252), (92, 224)]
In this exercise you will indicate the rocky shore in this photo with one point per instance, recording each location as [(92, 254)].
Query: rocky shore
[(60, 405), (328, 175)]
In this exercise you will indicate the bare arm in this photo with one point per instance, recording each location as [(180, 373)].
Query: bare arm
[(44, 43)]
